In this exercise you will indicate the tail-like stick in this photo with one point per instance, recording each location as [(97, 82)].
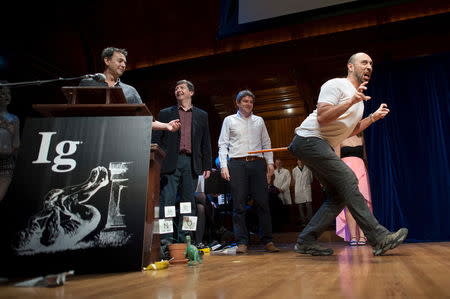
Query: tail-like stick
[(278, 149)]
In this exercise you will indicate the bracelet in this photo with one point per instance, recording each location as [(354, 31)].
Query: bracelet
[(371, 118)]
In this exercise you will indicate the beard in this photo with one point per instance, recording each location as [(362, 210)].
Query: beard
[(360, 78), (359, 75)]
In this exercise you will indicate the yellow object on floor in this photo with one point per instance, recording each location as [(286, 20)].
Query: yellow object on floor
[(164, 264), (205, 250)]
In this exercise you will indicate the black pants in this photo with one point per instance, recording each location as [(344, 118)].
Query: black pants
[(342, 185), (249, 178)]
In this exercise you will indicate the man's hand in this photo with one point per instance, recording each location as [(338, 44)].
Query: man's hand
[(224, 173), (270, 171), (206, 174), (359, 95), (381, 112), (174, 125)]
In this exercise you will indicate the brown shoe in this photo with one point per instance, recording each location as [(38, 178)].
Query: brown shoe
[(270, 247), (241, 249)]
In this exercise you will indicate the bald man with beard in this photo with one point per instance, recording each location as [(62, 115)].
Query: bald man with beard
[(338, 116)]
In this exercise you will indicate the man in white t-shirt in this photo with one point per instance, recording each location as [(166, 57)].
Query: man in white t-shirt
[(339, 115), (282, 181)]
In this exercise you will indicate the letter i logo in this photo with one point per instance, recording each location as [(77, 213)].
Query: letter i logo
[(43, 150)]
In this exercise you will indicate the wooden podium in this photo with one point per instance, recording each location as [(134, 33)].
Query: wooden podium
[(110, 101), (94, 95), (93, 101)]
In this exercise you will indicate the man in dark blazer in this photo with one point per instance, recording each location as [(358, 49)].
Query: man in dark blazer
[(188, 151)]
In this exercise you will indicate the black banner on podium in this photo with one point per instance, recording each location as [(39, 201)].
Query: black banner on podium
[(78, 196)]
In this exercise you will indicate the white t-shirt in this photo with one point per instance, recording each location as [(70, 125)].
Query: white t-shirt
[(333, 92)]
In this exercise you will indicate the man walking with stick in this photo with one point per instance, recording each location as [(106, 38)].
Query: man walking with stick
[(339, 115)]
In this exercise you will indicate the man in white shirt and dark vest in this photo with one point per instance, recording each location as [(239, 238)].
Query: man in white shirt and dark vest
[(339, 115), (241, 133)]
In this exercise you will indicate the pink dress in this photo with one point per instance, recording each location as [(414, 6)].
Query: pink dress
[(359, 168)]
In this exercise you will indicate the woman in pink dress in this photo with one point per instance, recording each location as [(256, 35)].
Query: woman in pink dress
[(352, 153)]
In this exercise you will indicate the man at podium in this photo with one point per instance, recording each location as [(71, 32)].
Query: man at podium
[(115, 60)]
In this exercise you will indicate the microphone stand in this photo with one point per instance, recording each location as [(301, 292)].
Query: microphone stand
[(40, 82)]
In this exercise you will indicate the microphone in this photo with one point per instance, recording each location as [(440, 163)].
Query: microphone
[(97, 77)]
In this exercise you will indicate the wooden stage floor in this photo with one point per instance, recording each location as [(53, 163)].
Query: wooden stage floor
[(419, 270)]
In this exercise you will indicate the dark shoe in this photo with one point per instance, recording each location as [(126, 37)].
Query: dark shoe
[(391, 241), (270, 247), (241, 249), (312, 248)]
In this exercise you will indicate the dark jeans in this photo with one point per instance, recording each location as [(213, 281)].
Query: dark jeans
[(249, 178), (301, 207), (342, 185), (184, 181)]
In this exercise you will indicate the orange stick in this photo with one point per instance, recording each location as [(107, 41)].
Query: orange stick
[(278, 149)]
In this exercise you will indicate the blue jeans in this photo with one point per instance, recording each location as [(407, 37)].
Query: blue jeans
[(342, 185)]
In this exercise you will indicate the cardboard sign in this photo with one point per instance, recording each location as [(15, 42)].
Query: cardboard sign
[(185, 208), (165, 226), (169, 212), (189, 223)]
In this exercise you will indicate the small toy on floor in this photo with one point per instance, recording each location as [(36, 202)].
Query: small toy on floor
[(163, 264), (192, 253)]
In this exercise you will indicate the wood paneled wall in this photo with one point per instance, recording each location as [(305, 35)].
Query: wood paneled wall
[(281, 132), (63, 38), (160, 32)]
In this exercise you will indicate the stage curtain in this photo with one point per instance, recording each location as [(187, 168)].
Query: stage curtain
[(408, 151)]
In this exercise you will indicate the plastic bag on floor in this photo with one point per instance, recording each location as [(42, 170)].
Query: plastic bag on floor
[(226, 251)]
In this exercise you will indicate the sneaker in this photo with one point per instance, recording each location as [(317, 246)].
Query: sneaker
[(241, 249), (270, 247), (312, 248), (391, 241)]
